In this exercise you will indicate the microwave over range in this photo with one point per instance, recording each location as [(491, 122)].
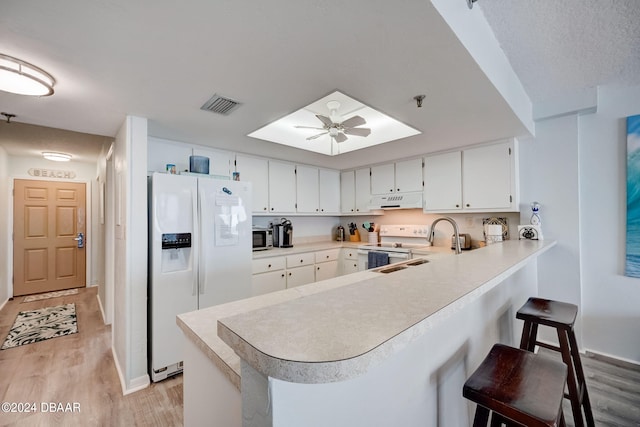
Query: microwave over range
[(262, 238)]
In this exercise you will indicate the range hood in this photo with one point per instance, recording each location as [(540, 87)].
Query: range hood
[(397, 201)]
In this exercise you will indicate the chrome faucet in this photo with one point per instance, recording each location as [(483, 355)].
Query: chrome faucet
[(455, 231)]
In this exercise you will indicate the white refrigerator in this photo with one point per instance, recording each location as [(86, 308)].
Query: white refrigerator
[(199, 256)]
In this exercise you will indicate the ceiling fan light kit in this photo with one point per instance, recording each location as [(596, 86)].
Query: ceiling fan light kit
[(334, 119), (22, 78)]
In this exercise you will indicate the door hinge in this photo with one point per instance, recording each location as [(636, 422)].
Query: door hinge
[(509, 150), (510, 199)]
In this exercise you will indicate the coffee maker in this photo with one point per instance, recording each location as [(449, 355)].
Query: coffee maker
[(283, 234)]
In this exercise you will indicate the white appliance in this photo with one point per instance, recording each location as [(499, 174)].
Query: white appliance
[(200, 243), (396, 241), (397, 201)]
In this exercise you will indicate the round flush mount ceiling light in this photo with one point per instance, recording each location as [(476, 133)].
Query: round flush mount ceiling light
[(22, 78), (56, 157)]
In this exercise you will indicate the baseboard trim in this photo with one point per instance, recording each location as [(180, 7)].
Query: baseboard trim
[(3, 304), (613, 360), (137, 384), (104, 317)]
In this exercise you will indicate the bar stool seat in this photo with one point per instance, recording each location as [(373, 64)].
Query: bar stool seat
[(518, 387), (560, 316)]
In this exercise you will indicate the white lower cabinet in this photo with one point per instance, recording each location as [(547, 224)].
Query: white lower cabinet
[(300, 269), (349, 260), (327, 266), (283, 272), (268, 275)]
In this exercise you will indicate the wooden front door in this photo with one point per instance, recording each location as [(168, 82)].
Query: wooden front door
[(47, 217)]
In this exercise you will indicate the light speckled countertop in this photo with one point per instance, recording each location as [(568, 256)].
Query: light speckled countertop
[(338, 328)]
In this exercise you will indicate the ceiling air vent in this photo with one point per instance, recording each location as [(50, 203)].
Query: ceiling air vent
[(220, 104)]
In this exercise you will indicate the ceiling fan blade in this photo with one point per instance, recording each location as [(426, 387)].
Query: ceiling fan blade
[(354, 121), (308, 127), (341, 137), (325, 120), (316, 136), (358, 131)]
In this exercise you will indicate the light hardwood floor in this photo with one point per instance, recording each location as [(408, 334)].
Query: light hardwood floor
[(78, 368), (614, 391)]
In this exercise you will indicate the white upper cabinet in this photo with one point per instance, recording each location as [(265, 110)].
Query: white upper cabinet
[(478, 179), (383, 179), (256, 171), (347, 192), (408, 176), (400, 177), (282, 187), (307, 189), (363, 190), (355, 191), (220, 162), (329, 191), (443, 182), (317, 190), (488, 178)]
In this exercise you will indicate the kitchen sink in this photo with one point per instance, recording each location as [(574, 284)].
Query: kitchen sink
[(391, 269), (416, 262)]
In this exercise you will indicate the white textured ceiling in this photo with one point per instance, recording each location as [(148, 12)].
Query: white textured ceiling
[(162, 60), (558, 47)]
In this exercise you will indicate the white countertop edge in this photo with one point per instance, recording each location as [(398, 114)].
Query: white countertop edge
[(197, 325), (324, 372)]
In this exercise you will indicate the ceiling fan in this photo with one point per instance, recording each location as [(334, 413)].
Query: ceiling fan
[(336, 127)]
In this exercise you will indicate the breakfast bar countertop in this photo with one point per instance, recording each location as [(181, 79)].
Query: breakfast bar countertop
[(338, 328)]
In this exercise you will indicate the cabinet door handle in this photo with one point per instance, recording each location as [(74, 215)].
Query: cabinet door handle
[(264, 208), (269, 266), (301, 260), (327, 256), (318, 268), (468, 205), (457, 206), (289, 274), (282, 274), (398, 190)]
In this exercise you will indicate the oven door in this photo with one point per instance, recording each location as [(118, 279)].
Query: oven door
[(363, 258)]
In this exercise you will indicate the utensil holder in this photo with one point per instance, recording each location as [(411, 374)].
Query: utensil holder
[(373, 237)]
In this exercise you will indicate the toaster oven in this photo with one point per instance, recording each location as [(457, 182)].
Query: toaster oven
[(262, 238)]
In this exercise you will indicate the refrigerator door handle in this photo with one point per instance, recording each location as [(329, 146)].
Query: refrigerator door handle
[(202, 270)]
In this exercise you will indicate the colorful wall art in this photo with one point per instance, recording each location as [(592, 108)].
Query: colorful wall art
[(632, 267)]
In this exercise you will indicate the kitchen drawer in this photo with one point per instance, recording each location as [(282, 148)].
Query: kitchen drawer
[(327, 255), (300, 259), (350, 253), (263, 265)]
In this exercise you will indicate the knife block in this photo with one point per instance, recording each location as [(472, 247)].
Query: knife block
[(355, 237)]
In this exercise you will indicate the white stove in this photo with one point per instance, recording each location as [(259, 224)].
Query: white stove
[(396, 244)]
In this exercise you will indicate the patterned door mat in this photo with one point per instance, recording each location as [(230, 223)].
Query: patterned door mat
[(47, 295), (42, 324)]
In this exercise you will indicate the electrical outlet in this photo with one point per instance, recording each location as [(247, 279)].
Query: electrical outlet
[(469, 221)]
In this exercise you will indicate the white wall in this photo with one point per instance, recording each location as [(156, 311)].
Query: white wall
[(130, 293), (5, 205), (610, 310), (576, 168)]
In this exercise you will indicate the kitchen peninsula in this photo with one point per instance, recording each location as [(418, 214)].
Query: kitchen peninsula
[(362, 349)]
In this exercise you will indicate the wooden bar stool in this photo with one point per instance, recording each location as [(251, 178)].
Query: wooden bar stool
[(520, 388), (561, 316)]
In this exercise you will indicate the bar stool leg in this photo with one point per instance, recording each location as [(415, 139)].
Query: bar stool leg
[(482, 417), (529, 336), (574, 394), (581, 380)]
